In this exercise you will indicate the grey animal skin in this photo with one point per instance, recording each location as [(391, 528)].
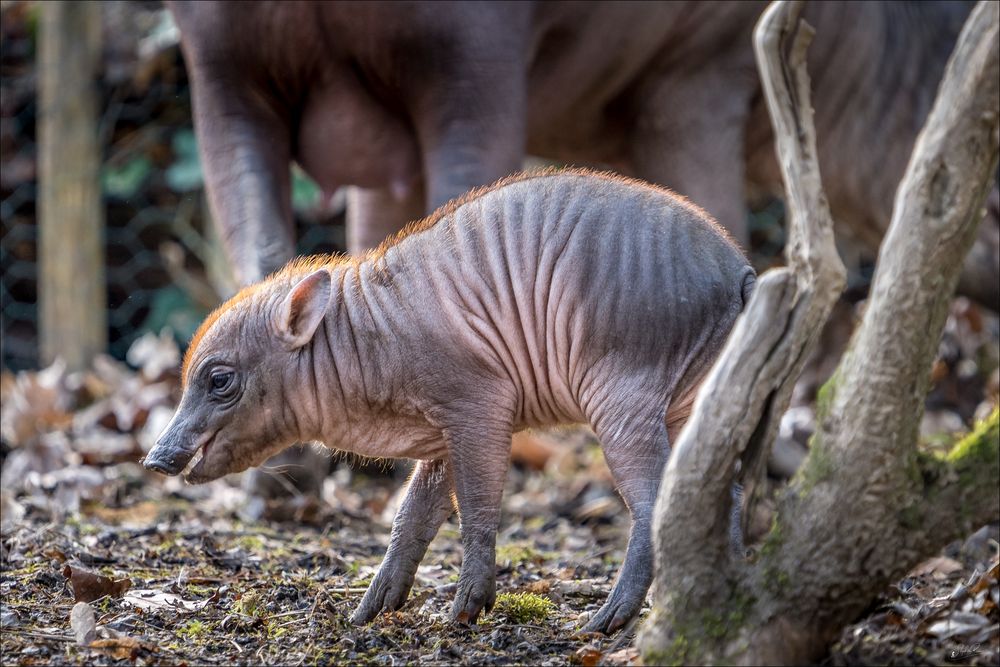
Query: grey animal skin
[(414, 103), (565, 297)]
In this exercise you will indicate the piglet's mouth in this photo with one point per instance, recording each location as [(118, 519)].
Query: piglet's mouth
[(173, 460), (196, 467)]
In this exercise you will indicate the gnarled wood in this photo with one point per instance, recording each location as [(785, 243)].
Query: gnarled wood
[(853, 518), (737, 411), (862, 501)]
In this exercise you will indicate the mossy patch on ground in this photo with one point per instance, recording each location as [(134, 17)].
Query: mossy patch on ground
[(523, 607)]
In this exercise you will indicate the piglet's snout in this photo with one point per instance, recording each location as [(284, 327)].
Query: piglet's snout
[(171, 452)]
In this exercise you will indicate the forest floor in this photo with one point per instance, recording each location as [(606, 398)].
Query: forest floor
[(221, 589), (181, 578), (105, 563)]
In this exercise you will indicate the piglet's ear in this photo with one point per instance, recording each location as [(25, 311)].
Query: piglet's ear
[(303, 309)]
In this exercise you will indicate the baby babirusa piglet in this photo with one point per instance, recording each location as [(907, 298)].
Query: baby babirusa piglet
[(553, 298)]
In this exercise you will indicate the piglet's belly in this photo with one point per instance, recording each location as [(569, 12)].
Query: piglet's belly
[(391, 439)]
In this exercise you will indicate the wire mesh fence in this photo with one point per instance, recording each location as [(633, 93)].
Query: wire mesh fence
[(161, 262)]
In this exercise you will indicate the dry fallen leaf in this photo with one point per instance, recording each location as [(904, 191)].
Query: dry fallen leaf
[(89, 586), (151, 599), (126, 408), (603, 507), (99, 447), (625, 656), (65, 488), (156, 423), (588, 656), (120, 648), (110, 372), (986, 579), (583, 587), (36, 404), (55, 554), (540, 587), (959, 624), (140, 514), (83, 622), (939, 566), (154, 355)]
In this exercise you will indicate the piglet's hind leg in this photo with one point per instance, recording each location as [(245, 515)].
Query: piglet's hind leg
[(636, 452)]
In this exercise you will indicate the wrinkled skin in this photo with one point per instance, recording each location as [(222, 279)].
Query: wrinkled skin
[(561, 298), (414, 103)]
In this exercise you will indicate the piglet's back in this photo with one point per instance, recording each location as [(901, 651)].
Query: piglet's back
[(548, 277)]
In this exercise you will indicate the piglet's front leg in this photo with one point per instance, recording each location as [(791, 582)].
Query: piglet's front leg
[(479, 445), (425, 507)]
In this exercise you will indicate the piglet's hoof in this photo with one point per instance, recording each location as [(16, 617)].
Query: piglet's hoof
[(612, 617), (387, 592), (472, 598)]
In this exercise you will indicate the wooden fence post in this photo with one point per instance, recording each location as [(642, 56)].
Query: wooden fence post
[(72, 295)]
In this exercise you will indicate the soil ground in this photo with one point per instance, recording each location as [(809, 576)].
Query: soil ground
[(209, 585)]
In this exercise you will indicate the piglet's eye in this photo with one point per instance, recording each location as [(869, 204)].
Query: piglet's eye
[(220, 381)]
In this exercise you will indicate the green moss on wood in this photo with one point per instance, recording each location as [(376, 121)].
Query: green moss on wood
[(773, 540), (773, 577), (978, 449), (693, 637), (825, 396), (818, 465), (911, 517), (975, 456), (958, 476), (673, 655)]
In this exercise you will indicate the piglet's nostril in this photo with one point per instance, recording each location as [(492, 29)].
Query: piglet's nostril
[(156, 466)]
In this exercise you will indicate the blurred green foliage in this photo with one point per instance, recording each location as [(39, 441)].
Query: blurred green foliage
[(305, 192), (126, 180), (184, 175), (174, 308)]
